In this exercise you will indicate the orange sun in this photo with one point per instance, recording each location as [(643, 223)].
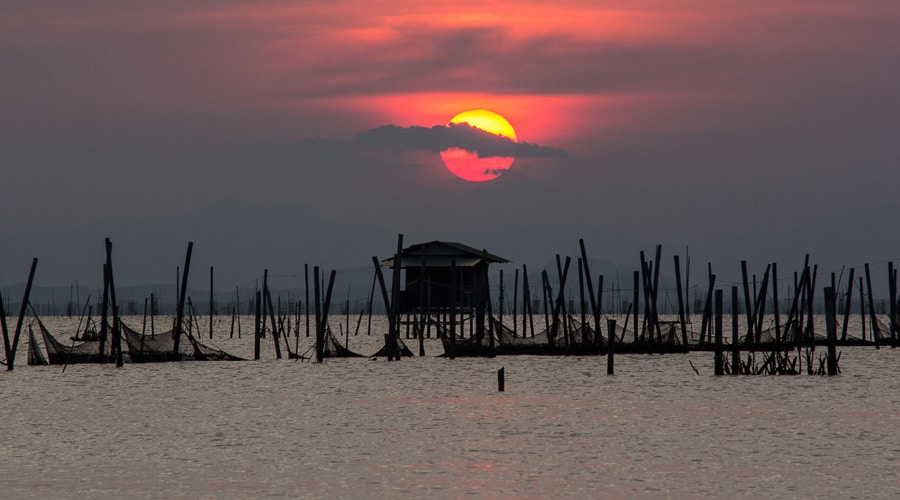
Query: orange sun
[(469, 166)]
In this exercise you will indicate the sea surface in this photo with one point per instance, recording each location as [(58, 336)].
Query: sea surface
[(431, 427)]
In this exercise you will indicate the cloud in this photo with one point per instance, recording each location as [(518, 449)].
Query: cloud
[(440, 137)]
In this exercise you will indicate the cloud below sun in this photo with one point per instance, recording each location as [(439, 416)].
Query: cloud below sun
[(440, 137)]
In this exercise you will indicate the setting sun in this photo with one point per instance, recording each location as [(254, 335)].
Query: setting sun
[(468, 165)]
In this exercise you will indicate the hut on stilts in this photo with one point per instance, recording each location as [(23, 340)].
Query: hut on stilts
[(446, 293)]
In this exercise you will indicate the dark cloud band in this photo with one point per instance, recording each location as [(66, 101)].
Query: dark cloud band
[(440, 137)]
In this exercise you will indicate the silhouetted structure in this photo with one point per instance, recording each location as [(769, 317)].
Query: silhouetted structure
[(428, 285)]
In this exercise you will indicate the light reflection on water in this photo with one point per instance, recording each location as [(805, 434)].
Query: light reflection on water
[(438, 428)]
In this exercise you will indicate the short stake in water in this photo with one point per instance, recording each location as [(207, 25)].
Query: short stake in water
[(501, 383)]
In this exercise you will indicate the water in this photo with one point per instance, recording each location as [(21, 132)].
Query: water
[(438, 428)]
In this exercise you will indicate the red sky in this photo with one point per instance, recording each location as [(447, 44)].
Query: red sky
[(665, 108)]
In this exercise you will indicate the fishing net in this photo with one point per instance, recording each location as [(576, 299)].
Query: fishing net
[(79, 352), (160, 347)]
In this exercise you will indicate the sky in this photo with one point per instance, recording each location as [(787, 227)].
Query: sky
[(278, 133)]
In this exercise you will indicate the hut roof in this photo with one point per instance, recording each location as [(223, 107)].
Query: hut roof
[(442, 254)]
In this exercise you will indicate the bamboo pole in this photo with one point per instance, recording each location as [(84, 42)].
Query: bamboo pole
[(892, 296), (515, 304), (636, 304), (422, 313), (104, 313), (394, 332), (810, 297), (6, 344), (681, 318), (759, 308), (453, 293), (735, 326), (267, 310), (256, 326), (526, 302), (747, 305), (387, 303), (876, 333), (582, 303), (179, 313), (719, 365), (211, 305), (116, 350), (775, 306), (487, 304), (847, 300), (831, 329), (610, 352), (306, 290), (657, 264), (706, 322), (11, 354), (595, 301)]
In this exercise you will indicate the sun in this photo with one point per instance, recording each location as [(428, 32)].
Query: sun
[(468, 165)]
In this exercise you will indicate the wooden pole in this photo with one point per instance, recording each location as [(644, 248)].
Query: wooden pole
[(267, 309), (810, 323), (610, 362), (595, 302), (501, 297), (11, 355), (599, 301), (153, 307), (104, 312), (582, 303), (546, 281), (515, 304), (320, 328), (719, 365), (488, 309), (657, 263), (369, 305), (144, 322), (256, 325), (862, 311), (847, 306), (892, 297), (276, 330), (759, 310), (326, 303), (306, 289), (526, 303), (422, 312), (635, 302), (393, 346), (561, 298), (705, 324), (735, 326), (876, 334), (233, 315), (379, 277), (6, 343), (501, 380), (453, 293), (681, 317), (179, 312), (211, 305), (116, 350), (751, 336), (647, 283), (775, 306), (831, 329)]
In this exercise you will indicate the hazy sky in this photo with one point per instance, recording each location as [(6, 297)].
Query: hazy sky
[(275, 133)]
